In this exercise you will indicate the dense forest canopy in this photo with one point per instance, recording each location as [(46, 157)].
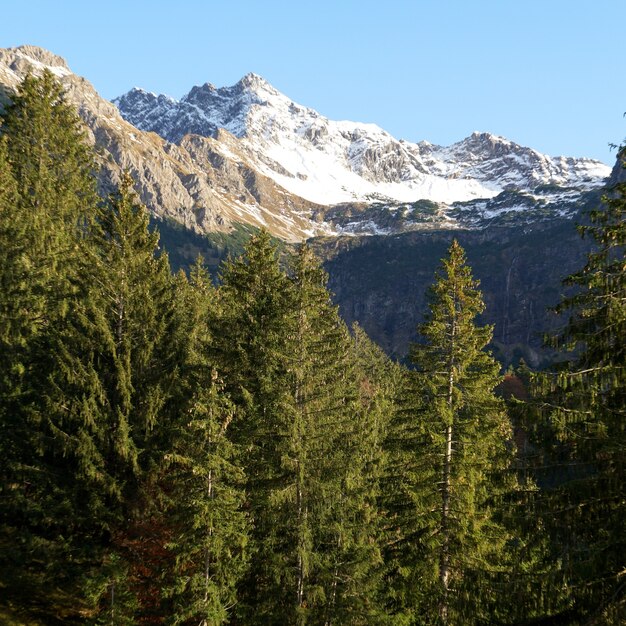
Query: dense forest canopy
[(177, 451)]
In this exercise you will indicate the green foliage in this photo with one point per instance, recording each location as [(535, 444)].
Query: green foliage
[(184, 246), (580, 417), (41, 232), (249, 341), (308, 436), (452, 453), (202, 475)]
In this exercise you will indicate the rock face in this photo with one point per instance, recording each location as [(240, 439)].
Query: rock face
[(331, 162), (381, 282), (206, 184)]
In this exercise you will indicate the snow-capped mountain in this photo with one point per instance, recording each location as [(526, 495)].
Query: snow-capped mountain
[(330, 162), (247, 154), (203, 184)]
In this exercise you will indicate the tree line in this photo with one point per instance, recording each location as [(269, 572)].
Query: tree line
[(179, 450)]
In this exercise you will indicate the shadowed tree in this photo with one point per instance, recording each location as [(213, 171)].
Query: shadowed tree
[(582, 419)]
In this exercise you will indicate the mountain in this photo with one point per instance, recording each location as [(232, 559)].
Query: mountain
[(205, 184), (366, 181), (381, 210), (330, 162), (247, 154)]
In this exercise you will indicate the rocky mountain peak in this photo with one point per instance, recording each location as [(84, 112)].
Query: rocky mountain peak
[(41, 55), (199, 93), (329, 162), (254, 82), (24, 59), (488, 142)]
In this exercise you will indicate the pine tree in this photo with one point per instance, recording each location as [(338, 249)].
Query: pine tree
[(202, 475), (53, 193), (582, 415), (323, 455), (250, 329), (41, 231), (54, 169), (447, 542), (306, 438), (105, 372), (136, 360), (10, 238), (353, 525)]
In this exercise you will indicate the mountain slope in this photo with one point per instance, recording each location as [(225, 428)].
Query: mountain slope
[(330, 162), (205, 184)]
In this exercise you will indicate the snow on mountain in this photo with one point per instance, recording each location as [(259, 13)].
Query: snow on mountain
[(205, 184), (330, 162), (17, 61), (248, 154)]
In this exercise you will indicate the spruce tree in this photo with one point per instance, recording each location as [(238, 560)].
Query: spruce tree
[(105, 373), (54, 170), (582, 411), (41, 231), (202, 476), (137, 365), (250, 328), (324, 455), (305, 438), (447, 543), (10, 262), (353, 525)]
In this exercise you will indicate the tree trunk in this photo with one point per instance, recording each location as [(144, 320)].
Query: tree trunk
[(444, 561)]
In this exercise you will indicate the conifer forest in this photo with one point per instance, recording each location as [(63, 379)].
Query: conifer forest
[(189, 449)]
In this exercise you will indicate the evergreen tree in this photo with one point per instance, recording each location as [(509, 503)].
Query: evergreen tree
[(250, 329), (10, 238), (353, 525), (53, 193), (41, 235), (202, 476), (447, 541), (582, 416), (305, 436), (135, 359), (104, 373), (334, 544), (54, 170)]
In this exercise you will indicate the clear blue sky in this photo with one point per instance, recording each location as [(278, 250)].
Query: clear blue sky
[(549, 74)]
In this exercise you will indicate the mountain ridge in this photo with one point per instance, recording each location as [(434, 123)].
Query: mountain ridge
[(366, 162), (247, 154)]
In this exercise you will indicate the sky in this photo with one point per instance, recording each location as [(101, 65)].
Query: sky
[(547, 74)]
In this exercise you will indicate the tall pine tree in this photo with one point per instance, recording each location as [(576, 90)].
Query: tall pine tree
[(250, 329), (42, 231), (333, 493), (447, 544), (202, 475), (583, 406)]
